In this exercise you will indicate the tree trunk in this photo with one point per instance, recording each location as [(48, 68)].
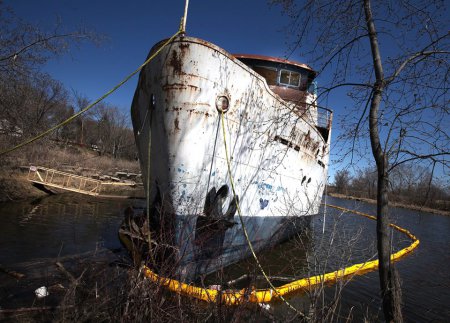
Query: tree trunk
[(383, 244), (390, 302)]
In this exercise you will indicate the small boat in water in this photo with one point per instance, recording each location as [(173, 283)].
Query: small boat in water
[(277, 140)]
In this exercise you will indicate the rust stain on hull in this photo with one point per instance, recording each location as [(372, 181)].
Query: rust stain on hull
[(176, 123), (176, 63), (179, 86)]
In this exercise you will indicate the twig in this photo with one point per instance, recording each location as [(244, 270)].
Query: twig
[(237, 280), (65, 272), (86, 254), (278, 278)]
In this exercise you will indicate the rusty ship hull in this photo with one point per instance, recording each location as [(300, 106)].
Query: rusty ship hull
[(278, 153)]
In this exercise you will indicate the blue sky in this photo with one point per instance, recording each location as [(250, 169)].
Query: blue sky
[(131, 28)]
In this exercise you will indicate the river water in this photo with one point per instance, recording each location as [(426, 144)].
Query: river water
[(67, 224)]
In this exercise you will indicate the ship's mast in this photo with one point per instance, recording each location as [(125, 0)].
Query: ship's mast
[(184, 18)]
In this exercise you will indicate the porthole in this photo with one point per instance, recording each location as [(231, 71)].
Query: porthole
[(222, 104)]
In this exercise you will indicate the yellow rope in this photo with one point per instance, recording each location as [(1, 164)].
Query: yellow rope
[(147, 191), (45, 133), (242, 222)]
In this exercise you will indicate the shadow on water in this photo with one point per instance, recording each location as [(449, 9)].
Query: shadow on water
[(36, 234), (58, 225)]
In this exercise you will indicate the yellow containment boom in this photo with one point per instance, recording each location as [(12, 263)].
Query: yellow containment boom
[(268, 295)]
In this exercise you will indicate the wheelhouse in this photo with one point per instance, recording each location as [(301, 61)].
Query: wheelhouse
[(292, 82)]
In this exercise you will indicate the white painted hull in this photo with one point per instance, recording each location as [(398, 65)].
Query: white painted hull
[(279, 159)]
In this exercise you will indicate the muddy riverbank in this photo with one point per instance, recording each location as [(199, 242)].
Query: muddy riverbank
[(14, 186)]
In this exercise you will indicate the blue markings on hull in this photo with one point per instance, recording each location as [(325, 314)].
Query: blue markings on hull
[(263, 203), (265, 186)]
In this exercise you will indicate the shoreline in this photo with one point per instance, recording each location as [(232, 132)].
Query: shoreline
[(393, 204), (15, 187)]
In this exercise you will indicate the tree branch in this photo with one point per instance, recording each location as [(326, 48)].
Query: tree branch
[(417, 156), (37, 42), (422, 53), (340, 50), (329, 89)]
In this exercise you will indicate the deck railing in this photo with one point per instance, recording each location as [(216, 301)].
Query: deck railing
[(324, 117)]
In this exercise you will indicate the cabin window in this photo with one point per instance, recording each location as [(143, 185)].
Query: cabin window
[(270, 74), (289, 78)]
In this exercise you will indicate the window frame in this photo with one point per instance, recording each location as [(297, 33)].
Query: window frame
[(290, 72), (276, 70)]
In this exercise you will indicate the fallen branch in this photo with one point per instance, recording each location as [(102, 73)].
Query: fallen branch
[(239, 279), (87, 254), (12, 273), (278, 278), (65, 272), (260, 277), (33, 309)]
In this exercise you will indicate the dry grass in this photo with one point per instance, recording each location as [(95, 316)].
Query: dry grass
[(14, 186), (73, 159), (52, 155)]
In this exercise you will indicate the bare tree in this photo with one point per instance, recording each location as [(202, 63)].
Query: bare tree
[(24, 47), (31, 101), (80, 102), (31, 104), (113, 129), (342, 180), (392, 57), (364, 183)]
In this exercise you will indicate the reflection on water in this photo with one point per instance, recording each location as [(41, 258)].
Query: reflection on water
[(58, 225), (424, 274), (71, 224), (348, 239)]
